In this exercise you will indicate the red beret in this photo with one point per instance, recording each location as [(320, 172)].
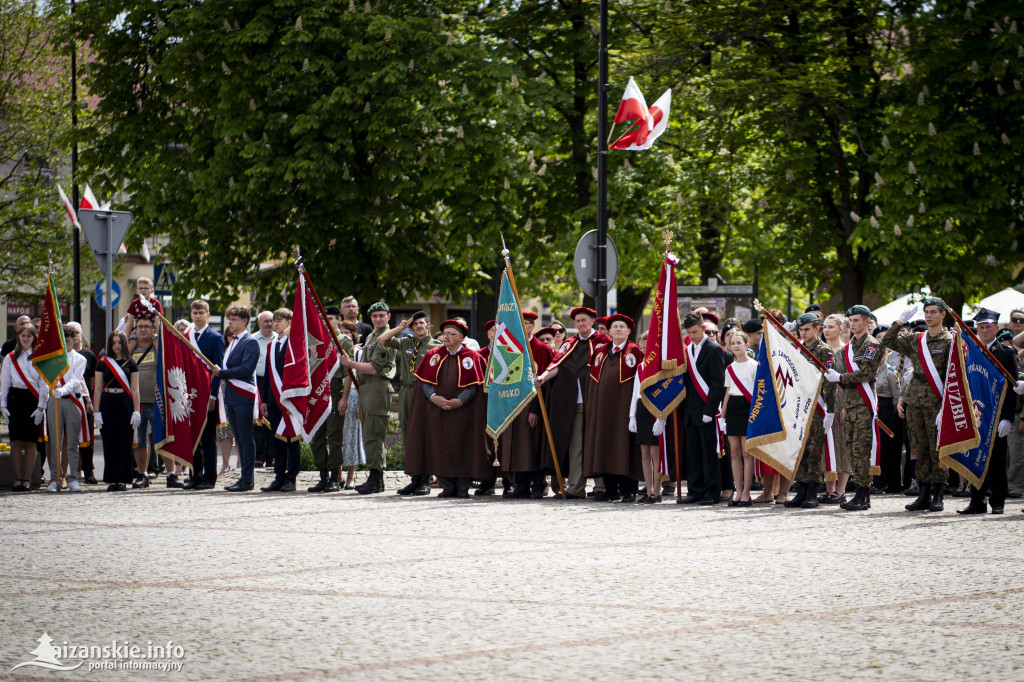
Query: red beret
[(582, 309), (487, 325), (619, 317), (530, 317), (710, 316), (457, 325), (602, 320), (545, 330)]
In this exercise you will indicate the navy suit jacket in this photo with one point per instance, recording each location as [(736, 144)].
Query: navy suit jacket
[(277, 356), (711, 365), (211, 344), (241, 365)]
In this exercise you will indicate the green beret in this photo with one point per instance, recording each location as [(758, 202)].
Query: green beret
[(379, 306), (808, 318), (858, 310), (934, 300)]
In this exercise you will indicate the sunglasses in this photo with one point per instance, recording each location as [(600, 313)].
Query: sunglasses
[(1017, 320), (559, 331)]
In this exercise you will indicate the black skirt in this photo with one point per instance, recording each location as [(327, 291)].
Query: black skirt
[(21, 404), (737, 412), (644, 425)]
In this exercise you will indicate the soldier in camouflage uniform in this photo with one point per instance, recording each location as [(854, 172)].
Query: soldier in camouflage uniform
[(411, 349), (375, 374), (328, 441), (857, 415), (808, 474), (921, 400)]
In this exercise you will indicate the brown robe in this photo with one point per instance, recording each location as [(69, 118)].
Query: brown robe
[(449, 443), (608, 446), (519, 446), (573, 362)]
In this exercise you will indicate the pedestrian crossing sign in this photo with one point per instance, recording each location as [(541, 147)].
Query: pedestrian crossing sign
[(163, 279)]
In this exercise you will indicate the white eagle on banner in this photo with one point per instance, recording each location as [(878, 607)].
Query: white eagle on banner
[(179, 397)]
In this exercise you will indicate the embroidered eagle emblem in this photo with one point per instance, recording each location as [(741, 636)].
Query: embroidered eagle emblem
[(179, 397)]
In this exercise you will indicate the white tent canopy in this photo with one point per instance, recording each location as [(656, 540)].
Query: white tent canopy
[(1002, 302)]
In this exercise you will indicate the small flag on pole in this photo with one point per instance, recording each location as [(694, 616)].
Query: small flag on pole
[(649, 123), (509, 383)]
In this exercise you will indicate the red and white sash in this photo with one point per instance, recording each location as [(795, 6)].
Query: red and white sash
[(747, 389), (242, 388), (119, 374), (80, 406), (867, 394), (286, 430), (702, 390), (21, 373), (830, 443), (934, 380)]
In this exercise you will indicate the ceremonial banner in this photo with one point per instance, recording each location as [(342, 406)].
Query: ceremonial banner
[(509, 383), (987, 385), (182, 397), (786, 389), (957, 426), (662, 385), (50, 355), (310, 362)]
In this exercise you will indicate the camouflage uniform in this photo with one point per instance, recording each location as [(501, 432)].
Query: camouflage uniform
[(922, 405), (858, 420), (329, 439), (375, 397), (809, 470), (410, 353)]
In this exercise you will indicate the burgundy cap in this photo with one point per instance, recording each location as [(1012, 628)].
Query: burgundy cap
[(619, 317), (582, 309), (457, 325)]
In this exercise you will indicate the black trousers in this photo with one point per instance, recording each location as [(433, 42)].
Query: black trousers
[(264, 437), (620, 485), (703, 471), (85, 453), (995, 480), (532, 479), (892, 448), (286, 459), (204, 464)]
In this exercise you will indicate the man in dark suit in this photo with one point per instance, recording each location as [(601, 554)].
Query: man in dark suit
[(284, 441), (705, 388), (987, 323), (211, 344), (240, 394)]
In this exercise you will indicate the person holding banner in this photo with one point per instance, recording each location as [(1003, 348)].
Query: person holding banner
[(285, 445), (705, 388), (856, 369), (241, 398), (210, 343), (115, 404), (23, 396), (987, 325), (929, 354), (739, 391), (73, 421)]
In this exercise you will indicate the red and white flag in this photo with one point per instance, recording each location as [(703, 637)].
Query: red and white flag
[(311, 362), (90, 202), (68, 206), (649, 123)]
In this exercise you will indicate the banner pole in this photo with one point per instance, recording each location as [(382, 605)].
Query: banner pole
[(540, 395), (679, 471), (167, 323), (984, 349)]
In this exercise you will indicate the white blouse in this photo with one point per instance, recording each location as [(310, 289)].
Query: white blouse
[(9, 378), (746, 370)]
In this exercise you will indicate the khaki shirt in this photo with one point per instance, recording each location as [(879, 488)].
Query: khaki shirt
[(867, 353), (410, 353), (380, 357)]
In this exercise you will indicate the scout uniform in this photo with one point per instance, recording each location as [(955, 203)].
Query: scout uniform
[(328, 442), (375, 402)]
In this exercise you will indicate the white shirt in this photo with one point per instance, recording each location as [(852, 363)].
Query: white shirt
[(9, 378), (74, 378), (264, 341), (746, 370)]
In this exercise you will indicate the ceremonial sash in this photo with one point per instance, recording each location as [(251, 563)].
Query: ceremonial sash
[(242, 388), (747, 389), (80, 406), (119, 374), (21, 373), (286, 430), (932, 374), (867, 394), (702, 391), (830, 444)]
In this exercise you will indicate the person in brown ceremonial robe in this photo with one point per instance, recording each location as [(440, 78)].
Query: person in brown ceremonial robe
[(609, 449), (446, 422)]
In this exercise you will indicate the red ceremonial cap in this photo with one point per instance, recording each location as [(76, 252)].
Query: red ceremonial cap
[(545, 330), (487, 325), (530, 317), (602, 320), (457, 325), (619, 317), (710, 316), (584, 310)]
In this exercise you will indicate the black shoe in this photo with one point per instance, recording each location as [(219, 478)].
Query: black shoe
[(374, 484), (744, 503), (811, 502), (997, 510), (141, 482), (522, 492), (276, 485), (173, 482), (976, 507), (936, 501), (288, 487), (537, 494), (708, 502), (861, 500), (204, 485), (923, 498), (628, 498), (604, 496), (484, 489), (240, 487), (333, 484), (321, 486), (840, 499), (410, 489), (801, 496), (90, 479), (591, 494), (643, 499), (689, 499), (423, 487), (828, 498)]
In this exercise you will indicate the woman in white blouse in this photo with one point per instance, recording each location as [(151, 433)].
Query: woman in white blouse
[(23, 395), (739, 380)]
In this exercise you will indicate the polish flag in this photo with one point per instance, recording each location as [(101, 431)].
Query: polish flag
[(72, 215), (649, 123)]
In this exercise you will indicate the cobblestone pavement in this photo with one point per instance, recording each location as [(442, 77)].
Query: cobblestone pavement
[(263, 586)]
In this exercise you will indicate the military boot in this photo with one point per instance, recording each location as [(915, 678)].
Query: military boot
[(923, 498), (333, 485), (799, 499), (812, 501), (936, 503), (861, 500), (374, 484), (411, 488), (321, 486)]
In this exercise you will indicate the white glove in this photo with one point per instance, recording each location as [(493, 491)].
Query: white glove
[(6, 413), (708, 419), (1004, 427), (38, 415), (833, 376), (790, 326), (827, 420), (721, 423), (1019, 388), (908, 314), (632, 425), (659, 427), (60, 391), (938, 418), (136, 419), (98, 419)]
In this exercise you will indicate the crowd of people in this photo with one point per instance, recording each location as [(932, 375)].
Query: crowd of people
[(587, 423)]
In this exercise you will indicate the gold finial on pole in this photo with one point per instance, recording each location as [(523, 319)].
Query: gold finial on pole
[(667, 236)]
